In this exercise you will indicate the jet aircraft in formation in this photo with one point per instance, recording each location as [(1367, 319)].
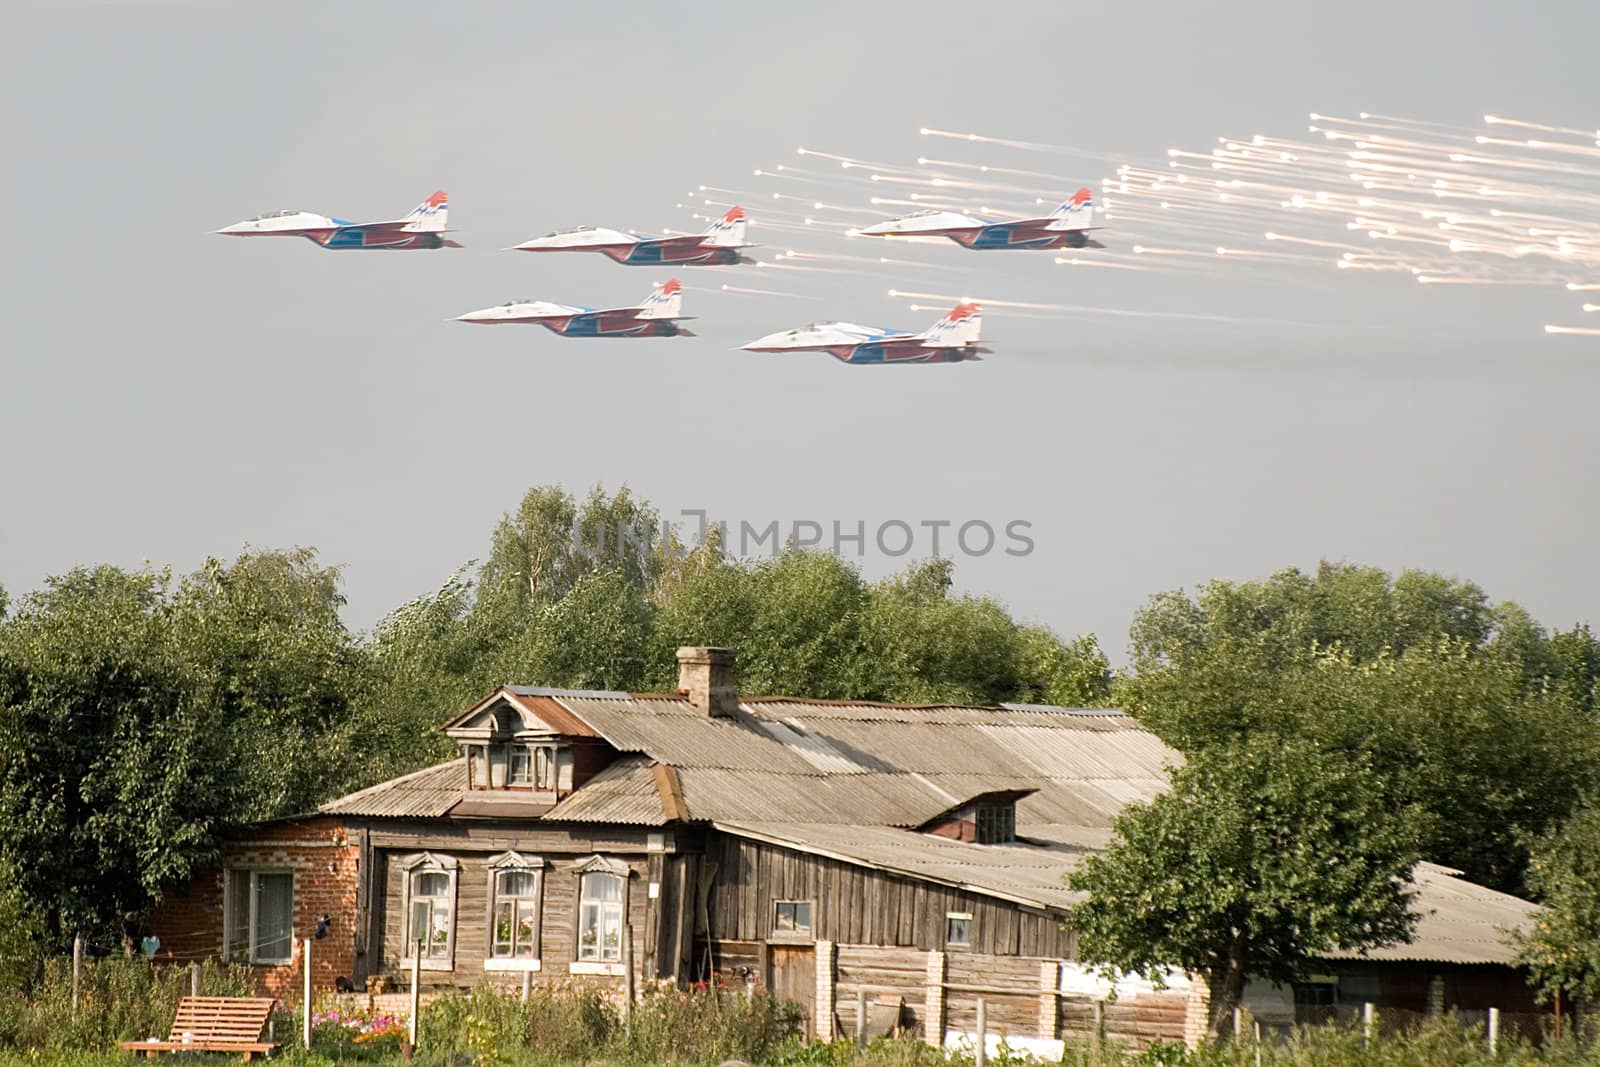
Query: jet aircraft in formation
[(1067, 226), (424, 227), (657, 316), (953, 339), (719, 246)]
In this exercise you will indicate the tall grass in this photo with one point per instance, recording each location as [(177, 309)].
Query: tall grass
[(578, 1020), (120, 999)]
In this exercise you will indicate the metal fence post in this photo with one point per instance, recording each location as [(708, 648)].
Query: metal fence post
[(627, 980), (77, 970), (305, 963), (416, 994), (1368, 1017), (1494, 1030), (981, 1053)]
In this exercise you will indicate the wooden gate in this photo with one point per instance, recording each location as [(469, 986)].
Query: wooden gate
[(792, 975)]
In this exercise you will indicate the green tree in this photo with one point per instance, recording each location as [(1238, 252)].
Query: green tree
[(595, 637), (1361, 609), (701, 598), (424, 664), (1562, 950), (112, 768), (278, 666), (804, 633), (540, 551), (1072, 673), (1264, 854)]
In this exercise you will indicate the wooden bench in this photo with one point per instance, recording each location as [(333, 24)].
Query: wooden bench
[(214, 1024)]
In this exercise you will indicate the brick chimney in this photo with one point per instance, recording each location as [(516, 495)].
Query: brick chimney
[(705, 675)]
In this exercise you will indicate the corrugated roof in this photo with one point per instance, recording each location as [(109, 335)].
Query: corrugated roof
[(625, 792), (1017, 873), (427, 793), (1457, 922)]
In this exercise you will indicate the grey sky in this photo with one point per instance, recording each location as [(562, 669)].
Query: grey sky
[(170, 394)]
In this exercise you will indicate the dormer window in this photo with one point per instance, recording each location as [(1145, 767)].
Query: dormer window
[(986, 819), (996, 823), (514, 765)]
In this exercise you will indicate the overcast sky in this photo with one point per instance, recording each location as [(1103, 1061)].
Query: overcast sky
[(170, 394)]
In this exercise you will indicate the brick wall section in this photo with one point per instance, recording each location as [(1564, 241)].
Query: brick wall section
[(323, 854)]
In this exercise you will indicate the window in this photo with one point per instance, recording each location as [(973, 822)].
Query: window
[(544, 769), (958, 929), (430, 897), (521, 766), (260, 916), (600, 917), (791, 918), (430, 913), (515, 885), (997, 823)]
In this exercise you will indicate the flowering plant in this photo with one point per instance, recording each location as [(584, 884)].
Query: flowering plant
[(349, 1027)]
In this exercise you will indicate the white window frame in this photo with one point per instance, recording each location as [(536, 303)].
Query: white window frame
[(253, 874), (428, 863), (513, 861), (624, 873)]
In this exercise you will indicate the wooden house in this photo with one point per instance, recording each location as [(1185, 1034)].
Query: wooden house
[(913, 854)]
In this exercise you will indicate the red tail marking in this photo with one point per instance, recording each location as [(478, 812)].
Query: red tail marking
[(735, 213), (438, 199), (672, 285), (1082, 196), (962, 311)]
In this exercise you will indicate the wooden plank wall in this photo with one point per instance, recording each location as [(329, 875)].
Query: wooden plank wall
[(858, 905), (558, 919), (1137, 1020), (881, 972), (1009, 984)]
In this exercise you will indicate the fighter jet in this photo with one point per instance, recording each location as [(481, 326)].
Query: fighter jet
[(953, 339), (658, 316), (424, 227), (1067, 226), (718, 247)]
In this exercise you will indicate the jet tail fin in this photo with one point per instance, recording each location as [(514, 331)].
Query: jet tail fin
[(960, 327), (430, 216), (664, 302), (1076, 213), (728, 231)]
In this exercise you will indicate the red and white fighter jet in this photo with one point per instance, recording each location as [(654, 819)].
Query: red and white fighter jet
[(424, 227), (657, 316)]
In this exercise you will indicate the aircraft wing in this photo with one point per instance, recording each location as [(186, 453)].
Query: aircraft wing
[(825, 335)]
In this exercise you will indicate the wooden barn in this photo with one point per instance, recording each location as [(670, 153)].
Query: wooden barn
[(914, 854)]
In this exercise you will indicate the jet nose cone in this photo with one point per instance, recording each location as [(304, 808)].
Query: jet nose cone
[(481, 315), (238, 229), (877, 229)]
